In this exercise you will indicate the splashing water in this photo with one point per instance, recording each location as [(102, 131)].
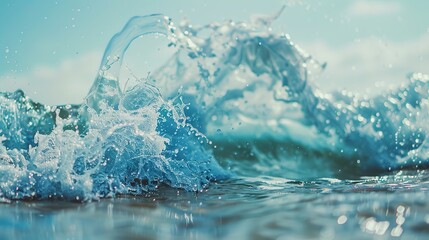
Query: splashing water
[(235, 92)]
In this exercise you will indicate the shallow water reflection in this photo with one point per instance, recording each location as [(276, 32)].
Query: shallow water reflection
[(247, 208)]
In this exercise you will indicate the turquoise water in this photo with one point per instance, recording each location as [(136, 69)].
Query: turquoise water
[(227, 139), (389, 207)]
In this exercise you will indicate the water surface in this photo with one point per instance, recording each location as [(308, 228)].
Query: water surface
[(228, 139)]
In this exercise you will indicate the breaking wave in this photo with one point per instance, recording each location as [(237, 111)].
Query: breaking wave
[(234, 93)]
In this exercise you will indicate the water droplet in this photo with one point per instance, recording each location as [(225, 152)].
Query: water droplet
[(342, 219), (400, 209), (397, 231)]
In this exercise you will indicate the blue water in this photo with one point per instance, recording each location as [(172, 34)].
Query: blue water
[(229, 138)]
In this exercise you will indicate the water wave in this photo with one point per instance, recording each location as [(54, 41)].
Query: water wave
[(234, 92)]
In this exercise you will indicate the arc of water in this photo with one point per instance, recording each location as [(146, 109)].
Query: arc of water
[(106, 86)]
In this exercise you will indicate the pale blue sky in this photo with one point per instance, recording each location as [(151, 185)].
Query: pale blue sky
[(55, 35)]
